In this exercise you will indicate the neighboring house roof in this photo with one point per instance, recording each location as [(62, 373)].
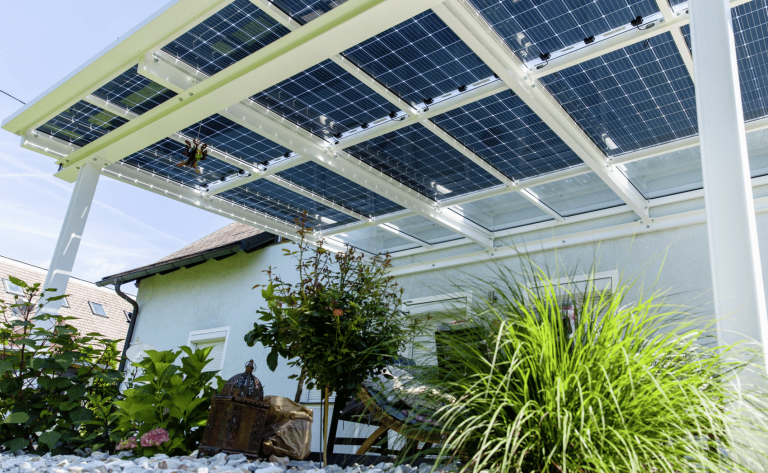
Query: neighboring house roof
[(218, 245), (79, 294)]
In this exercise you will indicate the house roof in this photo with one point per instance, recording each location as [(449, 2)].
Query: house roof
[(220, 244)]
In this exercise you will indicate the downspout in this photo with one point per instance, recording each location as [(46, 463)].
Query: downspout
[(132, 323)]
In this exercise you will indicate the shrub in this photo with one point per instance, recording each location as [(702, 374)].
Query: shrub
[(631, 388), (166, 405), (56, 384)]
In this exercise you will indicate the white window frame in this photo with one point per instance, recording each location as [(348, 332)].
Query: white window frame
[(201, 336), (566, 283), (6, 285), (65, 303), (436, 299), (90, 304)]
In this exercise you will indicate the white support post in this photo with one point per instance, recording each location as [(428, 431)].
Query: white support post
[(71, 234), (737, 280)]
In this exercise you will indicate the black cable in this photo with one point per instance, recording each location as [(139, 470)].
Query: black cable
[(11, 96)]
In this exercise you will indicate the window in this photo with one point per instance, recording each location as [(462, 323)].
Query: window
[(65, 303), (12, 288), (97, 309), (216, 339), (446, 309), (315, 396), (128, 315), (21, 309)]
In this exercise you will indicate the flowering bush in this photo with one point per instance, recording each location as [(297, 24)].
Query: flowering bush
[(127, 444), (154, 438)]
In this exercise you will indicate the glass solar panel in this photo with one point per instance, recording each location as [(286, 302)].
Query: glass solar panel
[(325, 99), (533, 27), (375, 239), (82, 123), (226, 135), (338, 189), (233, 33), (268, 197), (577, 195), (504, 131), (501, 212), (163, 157), (419, 159), (419, 58), (134, 92), (424, 229), (304, 11), (633, 98)]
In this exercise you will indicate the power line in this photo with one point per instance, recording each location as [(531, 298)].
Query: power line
[(11, 96)]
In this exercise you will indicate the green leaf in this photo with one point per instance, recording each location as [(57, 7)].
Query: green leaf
[(272, 359), (76, 392), (49, 438), (18, 281), (16, 444), (16, 418), (80, 415)]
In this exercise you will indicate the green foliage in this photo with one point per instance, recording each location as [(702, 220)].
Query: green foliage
[(53, 379), (341, 322), (633, 388), (168, 396)]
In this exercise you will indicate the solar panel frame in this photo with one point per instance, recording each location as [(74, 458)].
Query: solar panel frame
[(419, 58), (134, 92), (506, 133), (422, 161), (324, 99), (339, 190), (502, 212), (304, 11), (577, 195), (82, 123), (226, 37), (225, 135), (639, 96)]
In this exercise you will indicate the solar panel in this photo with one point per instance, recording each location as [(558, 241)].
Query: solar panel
[(501, 212), (424, 229), (163, 157), (531, 28), (577, 195), (324, 99), (82, 123), (338, 189), (231, 34), (375, 239), (504, 131), (304, 11), (134, 92), (419, 159), (633, 98), (267, 197), (226, 135), (419, 58)]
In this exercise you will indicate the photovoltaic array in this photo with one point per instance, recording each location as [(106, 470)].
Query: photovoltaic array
[(133, 92), (304, 11), (532, 27), (324, 99), (504, 131), (81, 124), (633, 98), (230, 35)]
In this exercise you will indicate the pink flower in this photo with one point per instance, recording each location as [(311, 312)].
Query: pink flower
[(154, 438), (338, 312), (127, 444)]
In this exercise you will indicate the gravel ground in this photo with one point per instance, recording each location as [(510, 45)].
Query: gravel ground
[(124, 462)]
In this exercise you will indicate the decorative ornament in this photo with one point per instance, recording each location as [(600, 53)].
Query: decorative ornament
[(194, 152)]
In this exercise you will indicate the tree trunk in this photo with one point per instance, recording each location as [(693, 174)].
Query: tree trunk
[(325, 427), (300, 387)]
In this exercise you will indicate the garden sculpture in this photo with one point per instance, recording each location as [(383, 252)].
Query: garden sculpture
[(194, 152)]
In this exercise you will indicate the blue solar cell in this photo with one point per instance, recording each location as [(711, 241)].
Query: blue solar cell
[(419, 58), (134, 92), (532, 27), (233, 33), (267, 197), (338, 189), (629, 99), (226, 135), (504, 131), (324, 99), (163, 157), (419, 159), (304, 11), (82, 123)]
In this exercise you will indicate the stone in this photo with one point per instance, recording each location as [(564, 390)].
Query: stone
[(202, 469), (25, 466), (62, 463), (58, 470), (80, 453), (270, 469), (142, 462), (124, 454), (282, 461)]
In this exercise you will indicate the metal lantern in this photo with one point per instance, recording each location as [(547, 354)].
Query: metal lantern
[(237, 417)]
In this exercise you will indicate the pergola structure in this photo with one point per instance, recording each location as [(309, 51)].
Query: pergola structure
[(418, 125)]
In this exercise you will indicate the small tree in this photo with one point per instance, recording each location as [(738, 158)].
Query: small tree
[(56, 384), (340, 323)]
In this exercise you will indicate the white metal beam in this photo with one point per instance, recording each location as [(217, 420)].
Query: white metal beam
[(337, 30), (481, 38), (677, 34)]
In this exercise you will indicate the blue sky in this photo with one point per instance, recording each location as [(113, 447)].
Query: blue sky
[(42, 42)]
